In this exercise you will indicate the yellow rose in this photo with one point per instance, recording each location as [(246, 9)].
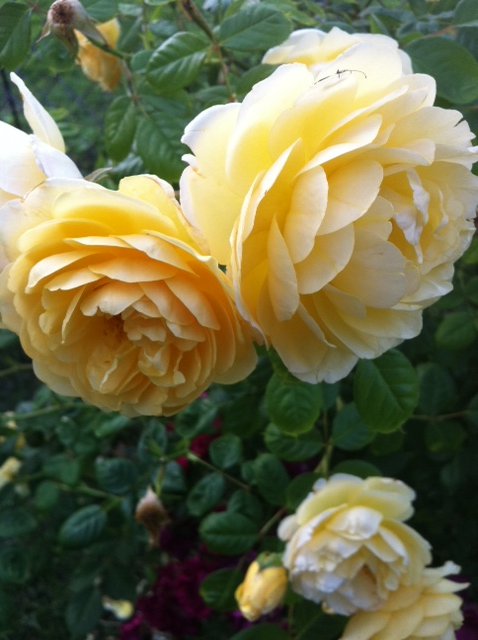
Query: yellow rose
[(316, 48), (27, 160), (347, 546), (95, 63), (114, 301), (428, 610), (262, 590), (339, 203)]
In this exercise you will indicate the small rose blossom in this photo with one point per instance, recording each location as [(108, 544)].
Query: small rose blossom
[(262, 590), (113, 299), (347, 545), (338, 202), (96, 64), (317, 49), (427, 610)]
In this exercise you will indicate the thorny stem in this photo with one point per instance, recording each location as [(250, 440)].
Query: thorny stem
[(189, 8), (15, 369), (194, 458)]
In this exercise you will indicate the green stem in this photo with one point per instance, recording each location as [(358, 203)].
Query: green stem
[(43, 412), (194, 458), (15, 369)]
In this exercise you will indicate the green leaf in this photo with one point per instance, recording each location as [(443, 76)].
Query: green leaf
[(258, 26), (83, 611), (83, 526), (120, 127), (456, 331), (302, 447), (196, 419), (271, 478), (349, 431), (311, 623), (247, 504), (293, 405), (228, 533), (471, 254), (437, 389), (101, 10), (173, 481), (115, 475), (15, 24), (226, 451), (386, 391), (62, 467), (263, 631), (108, 425), (16, 522), (470, 290), (159, 145), (46, 495), (466, 14), (205, 494), (217, 589), (299, 489), (444, 436), (360, 468), (177, 62), (453, 67), (14, 565)]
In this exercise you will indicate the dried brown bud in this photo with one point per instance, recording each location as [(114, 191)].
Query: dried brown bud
[(64, 16), (151, 513)]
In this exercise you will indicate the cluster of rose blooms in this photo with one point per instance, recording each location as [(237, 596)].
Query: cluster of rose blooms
[(348, 548), (319, 217)]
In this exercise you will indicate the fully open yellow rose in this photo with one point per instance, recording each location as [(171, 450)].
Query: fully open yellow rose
[(27, 160), (347, 545), (427, 610), (316, 48), (114, 301), (96, 64), (339, 202)]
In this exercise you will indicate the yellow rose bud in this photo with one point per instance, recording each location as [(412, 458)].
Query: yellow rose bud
[(96, 64), (9, 470), (262, 590)]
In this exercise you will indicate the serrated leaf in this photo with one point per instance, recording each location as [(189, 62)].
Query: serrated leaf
[(46, 495), (311, 622), (15, 24), (101, 10), (62, 467), (83, 611), (120, 127), (15, 522), (247, 504), (271, 477), (293, 405), (115, 476), (456, 332), (256, 27), (263, 631), (466, 14), (290, 448), (437, 389), (228, 533), (177, 62), (217, 589), (14, 565), (205, 494), (386, 391), (159, 145), (83, 526), (196, 419), (349, 431), (226, 451), (453, 67)]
